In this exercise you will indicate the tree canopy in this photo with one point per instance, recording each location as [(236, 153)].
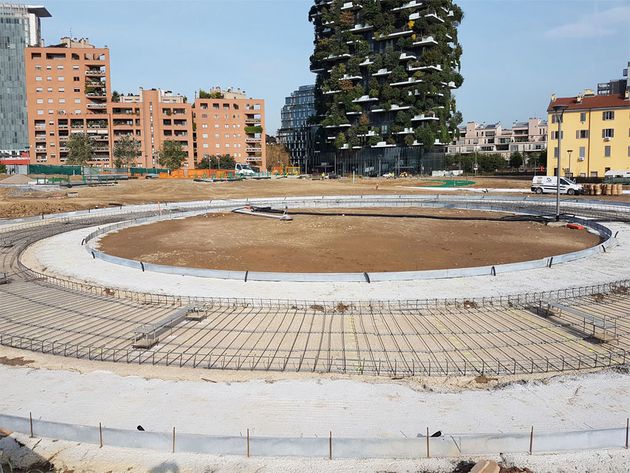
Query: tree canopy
[(224, 161), (277, 155), (80, 149), (171, 155), (126, 151)]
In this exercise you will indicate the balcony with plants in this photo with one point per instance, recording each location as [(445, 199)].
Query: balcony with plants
[(371, 84)]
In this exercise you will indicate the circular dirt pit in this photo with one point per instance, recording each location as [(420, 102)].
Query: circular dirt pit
[(325, 244)]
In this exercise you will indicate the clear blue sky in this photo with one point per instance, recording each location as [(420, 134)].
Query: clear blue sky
[(516, 52)]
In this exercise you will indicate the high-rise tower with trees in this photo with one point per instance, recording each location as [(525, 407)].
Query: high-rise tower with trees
[(386, 71)]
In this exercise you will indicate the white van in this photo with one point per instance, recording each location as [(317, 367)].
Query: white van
[(244, 170), (617, 174), (548, 185)]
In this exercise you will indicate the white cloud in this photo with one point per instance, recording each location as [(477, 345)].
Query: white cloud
[(604, 23)]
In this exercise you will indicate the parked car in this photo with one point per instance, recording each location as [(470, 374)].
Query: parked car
[(244, 170)]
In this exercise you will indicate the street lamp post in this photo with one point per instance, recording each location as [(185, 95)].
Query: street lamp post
[(569, 151), (558, 111)]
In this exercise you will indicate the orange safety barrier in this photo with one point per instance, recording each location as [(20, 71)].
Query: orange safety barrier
[(198, 174)]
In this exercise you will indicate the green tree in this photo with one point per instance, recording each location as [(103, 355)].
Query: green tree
[(3, 169), (80, 149), (217, 162), (340, 141), (277, 156), (126, 150), (516, 160), (115, 96), (171, 155)]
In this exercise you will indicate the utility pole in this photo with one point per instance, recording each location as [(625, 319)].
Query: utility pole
[(558, 111)]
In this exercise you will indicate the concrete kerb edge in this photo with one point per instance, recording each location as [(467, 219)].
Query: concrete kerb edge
[(604, 232)]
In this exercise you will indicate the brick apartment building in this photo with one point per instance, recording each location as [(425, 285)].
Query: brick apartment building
[(152, 117), (233, 124), (68, 90)]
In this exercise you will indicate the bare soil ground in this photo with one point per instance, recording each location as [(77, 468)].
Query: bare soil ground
[(16, 202), (343, 243)]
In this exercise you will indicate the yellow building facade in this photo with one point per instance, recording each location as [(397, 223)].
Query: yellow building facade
[(595, 135)]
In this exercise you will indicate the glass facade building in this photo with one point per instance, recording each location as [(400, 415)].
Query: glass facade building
[(19, 28), (296, 133)]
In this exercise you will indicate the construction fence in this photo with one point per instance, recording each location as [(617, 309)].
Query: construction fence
[(326, 445)]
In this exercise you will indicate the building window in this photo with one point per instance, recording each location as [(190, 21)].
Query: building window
[(38, 78), (582, 152), (581, 134), (629, 151), (606, 151), (554, 135), (608, 115), (555, 152), (583, 117), (608, 133), (40, 100)]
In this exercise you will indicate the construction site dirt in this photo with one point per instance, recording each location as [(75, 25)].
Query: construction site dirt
[(18, 201), (342, 243)]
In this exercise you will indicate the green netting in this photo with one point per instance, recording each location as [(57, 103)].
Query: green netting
[(52, 170), (135, 171)]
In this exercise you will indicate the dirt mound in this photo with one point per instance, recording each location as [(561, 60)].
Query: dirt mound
[(16, 179)]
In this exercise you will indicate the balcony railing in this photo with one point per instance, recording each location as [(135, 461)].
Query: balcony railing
[(95, 73)]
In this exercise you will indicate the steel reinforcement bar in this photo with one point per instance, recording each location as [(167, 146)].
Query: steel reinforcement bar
[(367, 366)]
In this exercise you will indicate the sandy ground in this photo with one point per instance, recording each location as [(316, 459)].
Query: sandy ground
[(15, 202), (311, 406), (343, 244)]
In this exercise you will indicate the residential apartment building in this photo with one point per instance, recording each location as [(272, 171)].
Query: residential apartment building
[(152, 117), (68, 86), (20, 27), (296, 134), (69, 91), (386, 72), (595, 134), (233, 124), (523, 137)]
